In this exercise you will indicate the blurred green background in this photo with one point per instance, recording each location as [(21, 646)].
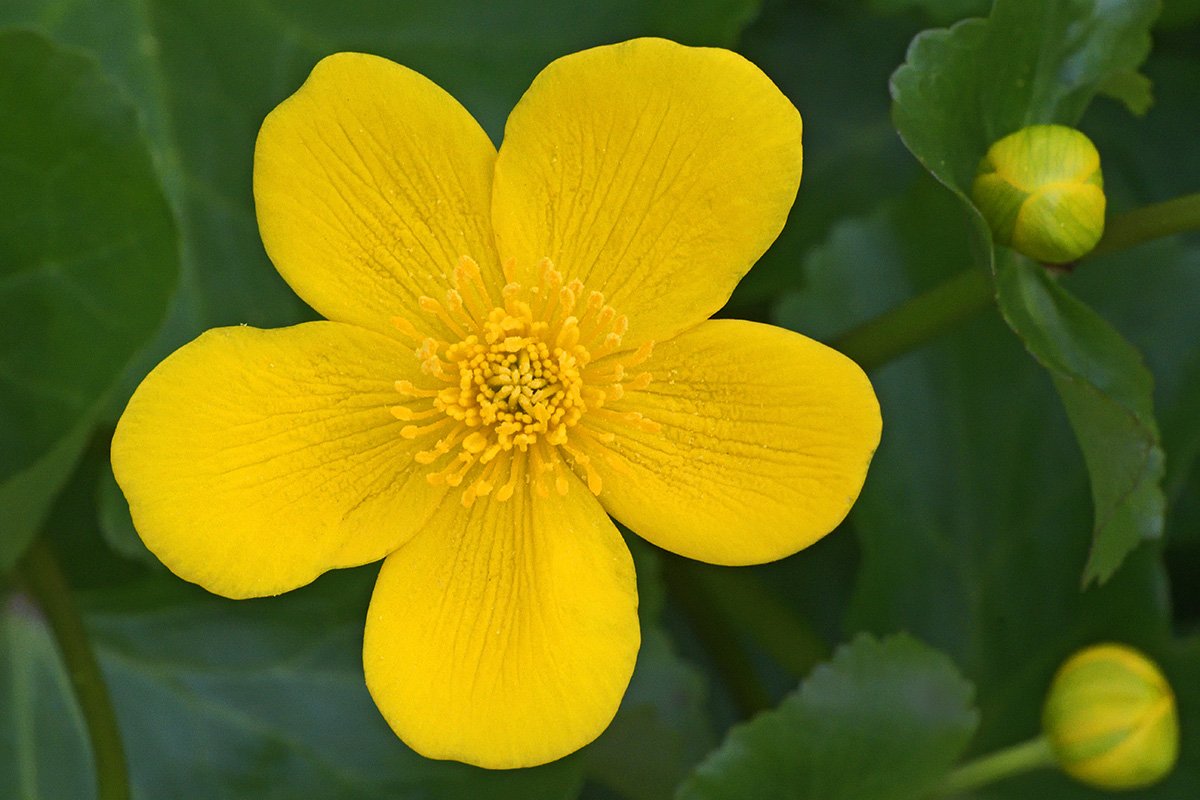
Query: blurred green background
[(127, 227)]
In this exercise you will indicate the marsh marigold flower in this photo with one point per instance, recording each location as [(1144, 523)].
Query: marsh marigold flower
[(516, 347)]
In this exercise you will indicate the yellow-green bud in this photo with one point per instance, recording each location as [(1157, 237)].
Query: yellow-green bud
[(1110, 717), (1041, 191)]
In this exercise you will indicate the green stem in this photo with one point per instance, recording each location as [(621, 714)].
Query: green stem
[(1016, 760), (960, 297), (39, 571), (1149, 222), (718, 637), (918, 320), (741, 598)]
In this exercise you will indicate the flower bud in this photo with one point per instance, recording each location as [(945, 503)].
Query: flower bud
[(1110, 717), (1041, 191)]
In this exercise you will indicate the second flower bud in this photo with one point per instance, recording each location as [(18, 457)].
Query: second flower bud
[(1041, 191)]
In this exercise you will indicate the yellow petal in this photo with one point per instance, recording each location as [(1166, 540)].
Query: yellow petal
[(653, 172), (370, 183), (765, 440), (254, 460), (504, 635)]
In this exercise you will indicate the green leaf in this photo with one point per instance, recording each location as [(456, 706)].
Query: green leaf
[(116, 523), (883, 720), (834, 67), (1149, 293), (1179, 13), (941, 12), (1033, 61), (43, 743), (701, 22), (1107, 393), (266, 699), (88, 260), (1133, 89)]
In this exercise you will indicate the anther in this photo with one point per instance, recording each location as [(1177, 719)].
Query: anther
[(641, 354), (641, 381), (406, 328), (406, 414)]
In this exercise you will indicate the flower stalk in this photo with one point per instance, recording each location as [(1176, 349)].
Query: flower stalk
[(939, 310), (918, 320), (1037, 753), (1179, 215), (40, 574), (748, 606), (715, 631)]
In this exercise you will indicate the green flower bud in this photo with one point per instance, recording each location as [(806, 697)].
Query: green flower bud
[(1041, 191), (1110, 717)]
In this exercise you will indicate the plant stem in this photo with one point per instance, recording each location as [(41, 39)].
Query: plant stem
[(938, 310), (741, 598), (918, 320), (1149, 222), (39, 571), (1016, 760), (718, 637)]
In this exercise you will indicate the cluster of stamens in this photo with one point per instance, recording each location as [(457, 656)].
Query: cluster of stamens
[(518, 381)]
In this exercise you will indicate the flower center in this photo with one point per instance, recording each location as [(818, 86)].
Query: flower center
[(519, 380)]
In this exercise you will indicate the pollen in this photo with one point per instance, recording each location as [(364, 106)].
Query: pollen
[(519, 379)]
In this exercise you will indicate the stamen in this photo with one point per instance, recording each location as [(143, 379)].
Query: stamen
[(566, 304), (599, 442), (536, 467), (406, 414), (611, 343), (405, 387), (632, 418), (640, 382), (442, 447), (517, 384), (594, 483), (603, 320), (448, 473), (468, 265), (406, 327), (594, 303), (483, 485), (568, 334), (515, 464), (434, 307), (413, 431), (454, 304), (468, 461), (640, 355), (615, 374), (463, 280)]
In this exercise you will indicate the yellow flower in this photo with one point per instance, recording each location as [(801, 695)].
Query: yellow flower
[(517, 345)]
